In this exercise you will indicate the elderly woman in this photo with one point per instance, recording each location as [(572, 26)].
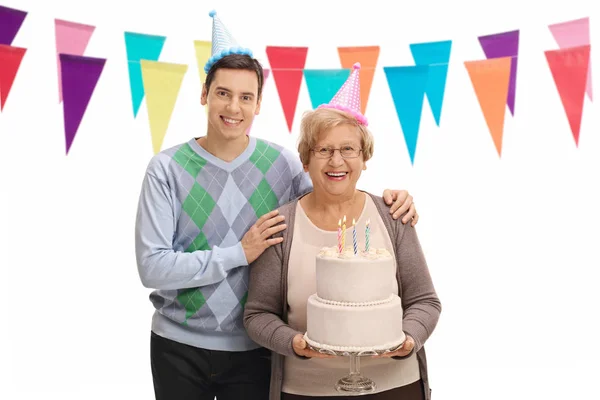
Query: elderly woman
[(334, 148)]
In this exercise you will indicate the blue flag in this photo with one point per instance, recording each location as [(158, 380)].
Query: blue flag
[(140, 47), (407, 86)]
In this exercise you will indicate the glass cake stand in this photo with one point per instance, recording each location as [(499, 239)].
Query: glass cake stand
[(354, 383)]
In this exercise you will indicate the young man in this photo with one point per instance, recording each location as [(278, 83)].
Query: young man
[(204, 214)]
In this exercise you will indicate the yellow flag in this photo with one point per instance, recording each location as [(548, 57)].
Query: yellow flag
[(162, 82), (203, 52)]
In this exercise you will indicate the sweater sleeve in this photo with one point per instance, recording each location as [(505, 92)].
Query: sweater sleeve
[(264, 308), (420, 302), (161, 267), (301, 182)]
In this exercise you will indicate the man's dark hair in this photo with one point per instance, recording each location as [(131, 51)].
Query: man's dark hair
[(237, 61)]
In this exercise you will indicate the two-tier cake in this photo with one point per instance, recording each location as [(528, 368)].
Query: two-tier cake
[(355, 308)]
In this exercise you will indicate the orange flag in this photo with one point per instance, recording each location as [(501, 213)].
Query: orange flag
[(490, 79), (367, 57)]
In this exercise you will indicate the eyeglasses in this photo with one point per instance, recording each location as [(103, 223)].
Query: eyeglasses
[(328, 152)]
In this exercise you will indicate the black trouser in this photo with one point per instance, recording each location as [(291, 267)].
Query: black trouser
[(182, 372), (413, 391)]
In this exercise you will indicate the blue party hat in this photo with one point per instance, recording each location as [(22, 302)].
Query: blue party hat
[(223, 43)]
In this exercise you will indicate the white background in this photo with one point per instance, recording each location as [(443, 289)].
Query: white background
[(512, 243)]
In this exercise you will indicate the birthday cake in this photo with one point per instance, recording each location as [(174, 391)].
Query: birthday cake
[(354, 308)]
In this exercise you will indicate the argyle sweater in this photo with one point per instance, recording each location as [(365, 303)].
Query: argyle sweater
[(193, 211)]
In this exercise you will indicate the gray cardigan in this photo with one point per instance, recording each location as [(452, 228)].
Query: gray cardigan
[(265, 315)]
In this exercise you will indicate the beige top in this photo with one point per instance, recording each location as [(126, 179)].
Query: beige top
[(316, 377)]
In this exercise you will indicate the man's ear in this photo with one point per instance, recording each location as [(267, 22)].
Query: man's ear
[(204, 95), (257, 111)]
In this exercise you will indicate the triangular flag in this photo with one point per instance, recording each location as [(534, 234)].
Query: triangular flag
[(437, 56), (407, 85), (10, 23), (287, 64), (574, 33), (490, 80), (79, 78), (500, 45), (162, 82), (139, 47), (10, 60), (266, 73), (71, 38), (323, 84), (203, 49), (367, 56), (569, 69)]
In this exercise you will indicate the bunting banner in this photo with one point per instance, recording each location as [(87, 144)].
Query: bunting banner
[(10, 60), (10, 23), (494, 79), (435, 55), (500, 45), (490, 79), (287, 64), (323, 84), (367, 56), (71, 38), (140, 47), (79, 78), (569, 69), (162, 82), (574, 33), (407, 86)]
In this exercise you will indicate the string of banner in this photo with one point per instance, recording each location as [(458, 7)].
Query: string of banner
[(493, 78)]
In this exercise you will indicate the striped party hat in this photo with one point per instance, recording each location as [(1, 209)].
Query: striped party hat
[(223, 43)]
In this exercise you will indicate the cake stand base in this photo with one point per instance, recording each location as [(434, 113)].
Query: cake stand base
[(354, 383)]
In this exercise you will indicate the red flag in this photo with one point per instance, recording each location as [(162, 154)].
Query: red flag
[(287, 65), (569, 69), (10, 60)]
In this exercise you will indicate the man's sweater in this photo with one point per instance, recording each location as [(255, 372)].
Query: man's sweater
[(193, 211)]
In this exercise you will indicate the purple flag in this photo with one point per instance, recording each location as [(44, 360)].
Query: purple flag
[(79, 77), (499, 45), (10, 23)]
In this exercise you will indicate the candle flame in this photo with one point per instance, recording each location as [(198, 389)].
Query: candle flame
[(353, 222), (344, 219)]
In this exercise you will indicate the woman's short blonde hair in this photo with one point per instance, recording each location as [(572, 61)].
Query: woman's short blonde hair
[(318, 121)]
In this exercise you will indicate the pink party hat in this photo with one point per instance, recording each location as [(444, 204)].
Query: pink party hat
[(223, 43), (348, 97)]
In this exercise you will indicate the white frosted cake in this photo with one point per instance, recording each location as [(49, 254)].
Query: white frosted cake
[(354, 308)]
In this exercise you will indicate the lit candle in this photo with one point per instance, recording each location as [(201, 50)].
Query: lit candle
[(344, 234), (339, 244), (354, 237), (367, 232)]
